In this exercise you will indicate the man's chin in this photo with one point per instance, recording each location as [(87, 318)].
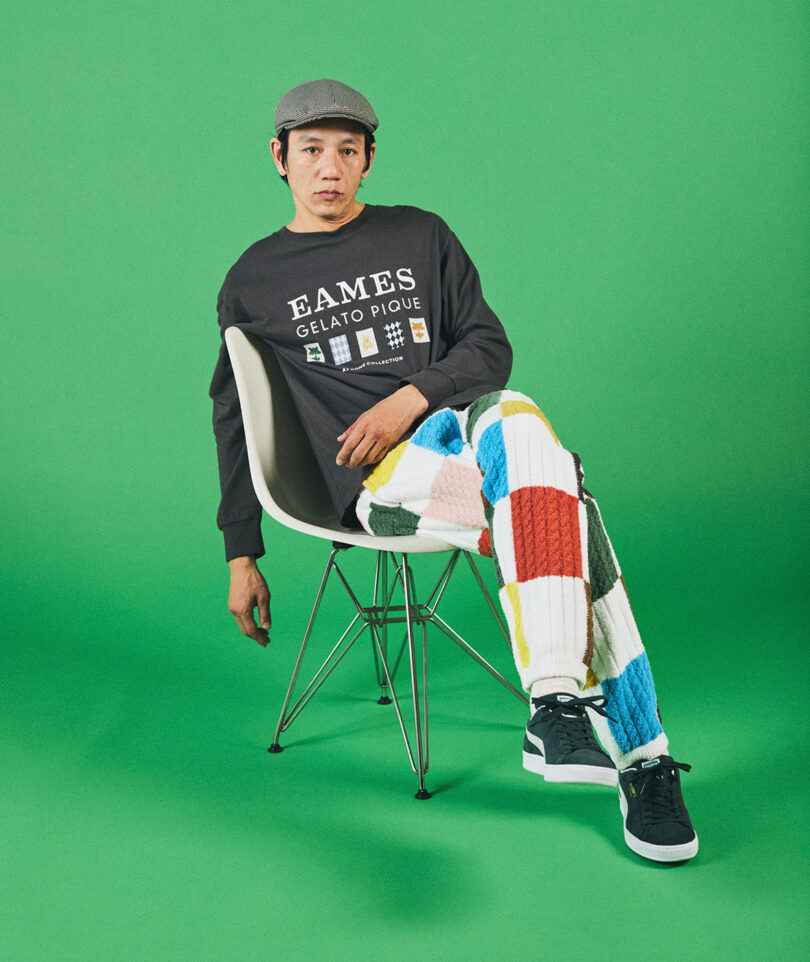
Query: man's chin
[(330, 212)]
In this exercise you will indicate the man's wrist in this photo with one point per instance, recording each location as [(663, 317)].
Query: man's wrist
[(416, 398), (242, 563)]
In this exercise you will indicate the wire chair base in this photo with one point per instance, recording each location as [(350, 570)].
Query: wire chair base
[(376, 618)]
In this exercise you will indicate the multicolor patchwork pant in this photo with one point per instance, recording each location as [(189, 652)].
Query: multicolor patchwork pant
[(495, 480)]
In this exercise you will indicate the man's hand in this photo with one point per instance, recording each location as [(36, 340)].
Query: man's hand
[(248, 591), (377, 430)]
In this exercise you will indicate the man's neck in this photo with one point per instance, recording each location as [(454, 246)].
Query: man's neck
[(305, 222)]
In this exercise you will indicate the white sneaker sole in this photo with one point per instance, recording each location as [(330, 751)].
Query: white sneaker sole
[(575, 774), (656, 853)]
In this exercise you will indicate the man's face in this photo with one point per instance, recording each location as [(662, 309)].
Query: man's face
[(324, 166)]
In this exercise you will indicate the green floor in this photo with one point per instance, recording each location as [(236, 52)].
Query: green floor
[(144, 818)]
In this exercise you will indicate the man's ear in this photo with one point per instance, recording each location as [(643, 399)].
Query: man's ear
[(275, 150), (371, 151)]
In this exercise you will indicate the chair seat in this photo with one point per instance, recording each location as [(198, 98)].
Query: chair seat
[(412, 544)]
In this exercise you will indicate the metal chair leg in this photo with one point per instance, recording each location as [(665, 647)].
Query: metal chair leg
[(275, 747), (421, 746), (381, 578), (492, 606)]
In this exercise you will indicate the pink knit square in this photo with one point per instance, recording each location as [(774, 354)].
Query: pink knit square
[(455, 496)]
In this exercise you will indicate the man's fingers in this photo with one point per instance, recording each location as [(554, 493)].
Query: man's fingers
[(246, 623), (362, 449), (264, 613), (249, 591), (250, 629), (376, 453), (353, 437), (342, 437)]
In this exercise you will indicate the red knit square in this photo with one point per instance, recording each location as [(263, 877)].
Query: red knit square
[(545, 527), (485, 544)]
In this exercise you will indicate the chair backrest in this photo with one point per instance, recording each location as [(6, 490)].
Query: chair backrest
[(278, 448)]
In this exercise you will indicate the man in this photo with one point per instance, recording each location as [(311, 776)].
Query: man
[(398, 368)]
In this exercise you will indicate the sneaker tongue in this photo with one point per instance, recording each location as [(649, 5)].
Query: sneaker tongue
[(564, 699)]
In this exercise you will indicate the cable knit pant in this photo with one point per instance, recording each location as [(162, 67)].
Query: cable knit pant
[(494, 479)]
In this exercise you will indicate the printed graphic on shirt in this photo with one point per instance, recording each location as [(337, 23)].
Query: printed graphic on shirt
[(391, 283), (314, 353), (367, 342), (393, 332), (419, 330), (376, 308), (341, 351)]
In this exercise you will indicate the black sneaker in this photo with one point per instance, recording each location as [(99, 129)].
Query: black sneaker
[(560, 745), (656, 823)]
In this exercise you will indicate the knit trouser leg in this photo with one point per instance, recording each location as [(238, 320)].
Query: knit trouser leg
[(494, 479), (546, 537), (538, 526), (562, 590), (619, 666)]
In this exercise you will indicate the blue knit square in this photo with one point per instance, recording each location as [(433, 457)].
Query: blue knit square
[(491, 457), (440, 433), (632, 702)]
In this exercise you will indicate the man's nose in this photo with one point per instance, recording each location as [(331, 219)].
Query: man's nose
[(330, 166)]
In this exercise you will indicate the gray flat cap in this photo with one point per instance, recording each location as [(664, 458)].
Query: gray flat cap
[(317, 99)]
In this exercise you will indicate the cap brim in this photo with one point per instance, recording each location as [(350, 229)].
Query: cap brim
[(329, 115)]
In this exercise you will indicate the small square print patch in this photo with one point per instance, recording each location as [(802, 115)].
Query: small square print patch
[(419, 331), (314, 353), (367, 342), (341, 351)]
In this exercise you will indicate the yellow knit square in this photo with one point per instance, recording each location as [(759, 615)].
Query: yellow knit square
[(523, 407), (382, 473), (591, 681), (520, 637)]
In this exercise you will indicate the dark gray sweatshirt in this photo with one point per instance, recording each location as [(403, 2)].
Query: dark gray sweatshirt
[(388, 299)]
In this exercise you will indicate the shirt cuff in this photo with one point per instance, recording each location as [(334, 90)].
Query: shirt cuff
[(243, 538), (434, 385)]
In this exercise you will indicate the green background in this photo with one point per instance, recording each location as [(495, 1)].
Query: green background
[(631, 180)]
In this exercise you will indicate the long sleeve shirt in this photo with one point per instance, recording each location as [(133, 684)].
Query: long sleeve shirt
[(389, 298)]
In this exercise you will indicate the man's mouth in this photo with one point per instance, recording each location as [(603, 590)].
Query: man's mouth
[(329, 194)]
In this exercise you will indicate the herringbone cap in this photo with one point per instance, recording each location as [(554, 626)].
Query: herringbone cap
[(317, 99)]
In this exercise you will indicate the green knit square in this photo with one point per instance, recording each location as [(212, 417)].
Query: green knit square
[(478, 407), (386, 521), (600, 556)]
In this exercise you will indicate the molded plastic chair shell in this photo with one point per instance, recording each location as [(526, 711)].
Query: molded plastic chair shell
[(285, 474)]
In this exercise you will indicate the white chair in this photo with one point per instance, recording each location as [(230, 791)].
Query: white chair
[(291, 489)]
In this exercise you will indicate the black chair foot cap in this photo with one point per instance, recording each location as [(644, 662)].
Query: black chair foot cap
[(423, 793), (385, 700), (275, 748)]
